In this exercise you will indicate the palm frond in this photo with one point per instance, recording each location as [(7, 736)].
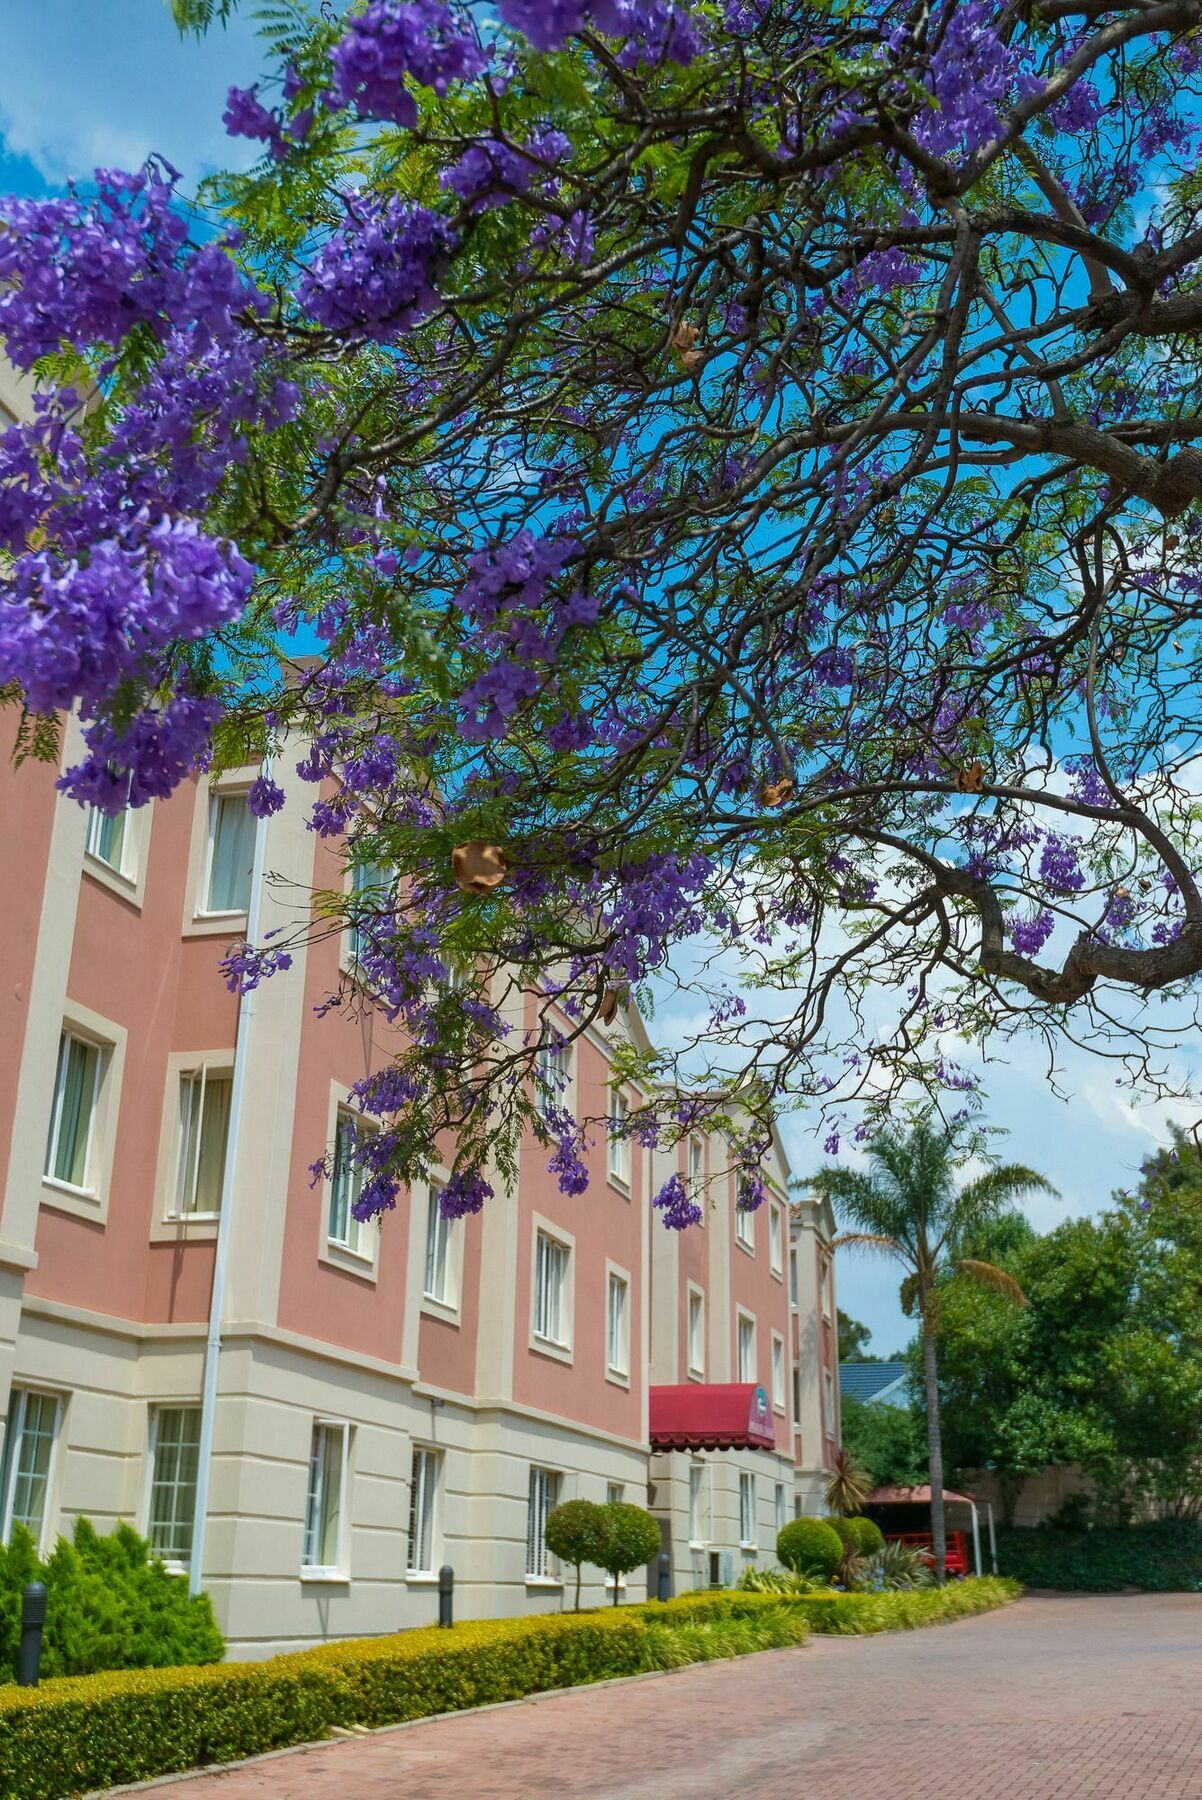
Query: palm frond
[(867, 1240), (989, 1275)]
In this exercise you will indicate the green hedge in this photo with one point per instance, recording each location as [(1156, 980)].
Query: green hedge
[(848, 1615), (1165, 1557), (96, 1731)]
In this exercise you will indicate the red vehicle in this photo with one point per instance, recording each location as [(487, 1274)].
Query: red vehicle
[(904, 1515)]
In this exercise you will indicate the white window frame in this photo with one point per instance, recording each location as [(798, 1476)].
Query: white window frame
[(699, 1505), (123, 867), (617, 1348), (553, 1073), (695, 1331), (828, 1404), (204, 1071), (337, 1570), (618, 1157), (744, 1226), (351, 1239), (828, 1271), (780, 1506), (91, 1185), (615, 1493), (425, 1492), (352, 937), (14, 1435), (551, 1252), (745, 1331), (441, 1250), (694, 1168), (542, 1497), (177, 1564), (748, 1523), (776, 1238), (779, 1386), (217, 798)]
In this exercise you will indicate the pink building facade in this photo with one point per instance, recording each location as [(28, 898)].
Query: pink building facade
[(388, 1398)]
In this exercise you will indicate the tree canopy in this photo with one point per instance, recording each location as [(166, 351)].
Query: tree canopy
[(719, 474)]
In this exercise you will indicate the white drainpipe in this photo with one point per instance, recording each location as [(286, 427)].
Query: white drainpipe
[(225, 1225)]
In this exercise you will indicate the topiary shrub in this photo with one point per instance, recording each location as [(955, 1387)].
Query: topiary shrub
[(866, 1535), (110, 1604), (576, 1534), (630, 1537), (810, 1547)]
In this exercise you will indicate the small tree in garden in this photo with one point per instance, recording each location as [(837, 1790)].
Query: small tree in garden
[(576, 1533), (849, 1484), (907, 1205), (630, 1537)]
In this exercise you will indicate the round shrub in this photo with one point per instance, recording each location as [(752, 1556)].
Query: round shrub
[(810, 1547), (867, 1537)]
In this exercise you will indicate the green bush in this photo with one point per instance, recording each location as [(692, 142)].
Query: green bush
[(867, 1537), (810, 1547), (1163, 1557), (772, 1581), (858, 1615), (110, 1604)]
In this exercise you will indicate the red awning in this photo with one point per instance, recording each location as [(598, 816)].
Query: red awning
[(720, 1416), (912, 1496)]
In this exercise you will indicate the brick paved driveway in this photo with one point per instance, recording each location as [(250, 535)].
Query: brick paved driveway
[(1051, 1699)]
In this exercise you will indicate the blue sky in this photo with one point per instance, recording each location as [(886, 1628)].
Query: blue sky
[(84, 84)]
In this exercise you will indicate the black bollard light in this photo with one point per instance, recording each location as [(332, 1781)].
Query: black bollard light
[(33, 1618), (446, 1596), (664, 1585)]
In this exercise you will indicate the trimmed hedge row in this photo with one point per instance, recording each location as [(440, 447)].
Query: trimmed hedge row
[(1163, 1557), (850, 1615)]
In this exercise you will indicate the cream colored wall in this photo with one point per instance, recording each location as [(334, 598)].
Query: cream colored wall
[(670, 1502)]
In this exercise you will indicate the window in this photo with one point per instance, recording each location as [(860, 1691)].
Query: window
[(828, 1284), (371, 889), (617, 1353), (796, 1397), (550, 1289), (29, 1444), (746, 1349), (695, 1166), (544, 1498), (780, 1516), (69, 1148), (204, 1123), (107, 838), (793, 1288), (744, 1223), (439, 1274), (231, 854), (775, 1239), (778, 1373), (828, 1402), (615, 1493), (551, 1073), (747, 1530), (174, 1453), (697, 1333), (699, 1512), (619, 1143), (324, 1502), (346, 1180), (423, 1495)]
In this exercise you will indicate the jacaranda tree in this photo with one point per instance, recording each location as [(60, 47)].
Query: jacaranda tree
[(708, 472)]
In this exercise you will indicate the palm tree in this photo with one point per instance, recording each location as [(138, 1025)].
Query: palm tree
[(907, 1205)]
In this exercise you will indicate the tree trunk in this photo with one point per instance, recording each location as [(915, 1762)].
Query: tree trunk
[(934, 1443), (577, 1587)]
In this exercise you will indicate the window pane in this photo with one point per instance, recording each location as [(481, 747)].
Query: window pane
[(35, 1420), (371, 884), (438, 1250), (204, 1105), (323, 1510), (345, 1183), (232, 854), (74, 1105), (106, 837), (423, 1488), (173, 1482), (617, 1324), (543, 1498)]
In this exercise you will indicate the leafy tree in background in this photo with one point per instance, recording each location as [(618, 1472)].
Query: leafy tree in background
[(1103, 1367), (907, 1205), (852, 1338), (889, 1442), (735, 466)]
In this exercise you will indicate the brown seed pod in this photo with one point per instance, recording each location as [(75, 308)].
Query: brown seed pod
[(478, 867), (609, 1005), (972, 779), (777, 792)]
